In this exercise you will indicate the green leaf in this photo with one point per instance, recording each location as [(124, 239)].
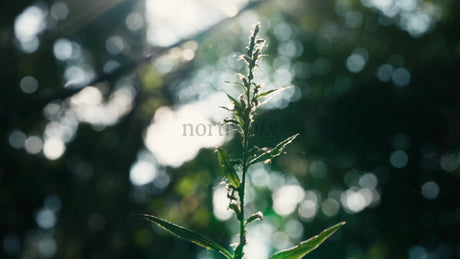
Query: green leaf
[(256, 216), (188, 235), (307, 246), (273, 152), (226, 108), (236, 83), (238, 110), (270, 94), (235, 103), (227, 167)]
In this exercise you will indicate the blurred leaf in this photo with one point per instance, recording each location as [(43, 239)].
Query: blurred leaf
[(274, 152), (270, 94), (256, 216), (307, 246), (236, 83), (227, 167), (188, 235)]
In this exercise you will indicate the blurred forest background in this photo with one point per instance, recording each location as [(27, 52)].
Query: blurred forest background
[(95, 94)]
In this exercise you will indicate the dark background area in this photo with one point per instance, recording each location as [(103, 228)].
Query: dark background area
[(377, 106)]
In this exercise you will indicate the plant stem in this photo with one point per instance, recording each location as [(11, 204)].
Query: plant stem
[(246, 136), (241, 194), (247, 118)]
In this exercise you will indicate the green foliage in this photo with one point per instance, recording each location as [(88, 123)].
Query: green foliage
[(227, 168), (256, 216), (307, 246), (188, 235), (243, 113), (270, 94), (271, 153), (352, 121)]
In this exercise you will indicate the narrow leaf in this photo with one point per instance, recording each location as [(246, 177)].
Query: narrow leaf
[(238, 110), (256, 216), (307, 246), (235, 103), (226, 108), (235, 83), (188, 235), (274, 152), (271, 93), (227, 167), (232, 82)]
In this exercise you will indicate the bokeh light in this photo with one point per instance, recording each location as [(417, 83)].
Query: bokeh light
[(399, 159), (308, 208), (430, 190), (53, 148), (105, 117), (142, 173), (134, 21), (286, 198), (220, 204), (27, 26), (45, 218), (171, 21), (59, 10), (33, 144), (177, 136), (28, 84), (17, 139)]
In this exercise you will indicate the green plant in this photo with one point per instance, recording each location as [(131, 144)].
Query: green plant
[(243, 113)]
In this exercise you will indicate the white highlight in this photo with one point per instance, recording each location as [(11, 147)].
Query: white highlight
[(177, 136), (169, 21), (286, 198), (220, 204), (53, 148), (142, 172)]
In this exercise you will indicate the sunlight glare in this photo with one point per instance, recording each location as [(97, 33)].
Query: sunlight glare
[(177, 136), (355, 199), (286, 198), (53, 148), (220, 204), (142, 172), (29, 23), (259, 239), (89, 106), (170, 21)]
